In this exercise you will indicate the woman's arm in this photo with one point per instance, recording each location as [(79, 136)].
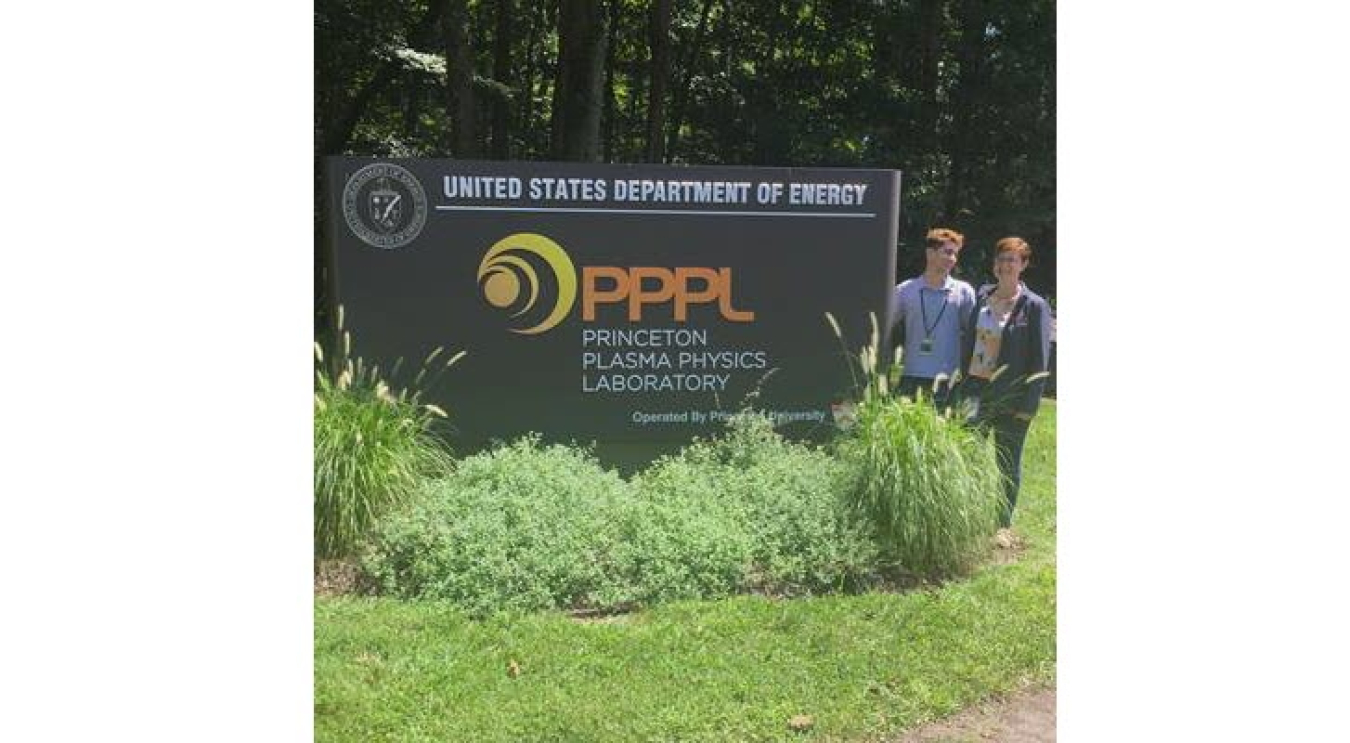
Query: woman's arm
[(1038, 357)]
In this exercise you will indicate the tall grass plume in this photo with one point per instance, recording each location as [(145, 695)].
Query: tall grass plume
[(374, 445), (928, 484)]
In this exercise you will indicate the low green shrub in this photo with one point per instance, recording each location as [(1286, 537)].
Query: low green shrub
[(928, 484), (528, 527), (784, 498), (524, 527), (680, 549)]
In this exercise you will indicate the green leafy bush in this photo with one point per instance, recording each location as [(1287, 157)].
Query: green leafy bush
[(528, 527), (929, 485), (524, 527), (783, 498)]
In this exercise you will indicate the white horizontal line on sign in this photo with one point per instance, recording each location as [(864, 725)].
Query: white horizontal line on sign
[(654, 211)]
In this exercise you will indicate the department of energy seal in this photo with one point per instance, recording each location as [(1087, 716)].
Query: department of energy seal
[(384, 205)]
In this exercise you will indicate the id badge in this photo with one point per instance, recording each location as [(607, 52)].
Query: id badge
[(926, 347)]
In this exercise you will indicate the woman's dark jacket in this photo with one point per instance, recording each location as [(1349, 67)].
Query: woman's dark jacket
[(1025, 350)]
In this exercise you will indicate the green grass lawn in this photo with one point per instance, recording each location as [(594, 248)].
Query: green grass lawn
[(861, 666)]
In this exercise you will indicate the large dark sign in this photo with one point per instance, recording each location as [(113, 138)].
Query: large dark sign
[(611, 302)]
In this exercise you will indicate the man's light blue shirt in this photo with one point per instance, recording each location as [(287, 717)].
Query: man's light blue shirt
[(946, 308)]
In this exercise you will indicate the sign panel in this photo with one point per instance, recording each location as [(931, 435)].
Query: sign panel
[(613, 303)]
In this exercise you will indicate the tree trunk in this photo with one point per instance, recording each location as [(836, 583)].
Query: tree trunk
[(412, 108), (772, 139), (463, 113), (611, 105), (971, 17), (921, 72), (527, 86), (501, 70), (658, 35), (888, 46), (691, 57), (579, 94), (556, 112)]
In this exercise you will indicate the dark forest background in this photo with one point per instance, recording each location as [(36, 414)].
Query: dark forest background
[(957, 94)]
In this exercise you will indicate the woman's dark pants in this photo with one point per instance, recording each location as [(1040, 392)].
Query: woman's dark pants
[(1010, 436)]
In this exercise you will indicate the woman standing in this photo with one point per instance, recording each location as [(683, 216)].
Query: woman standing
[(1005, 359)]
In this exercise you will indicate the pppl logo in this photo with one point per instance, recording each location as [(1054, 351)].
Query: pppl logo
[(506, 274), (509, 280), (384, 205)]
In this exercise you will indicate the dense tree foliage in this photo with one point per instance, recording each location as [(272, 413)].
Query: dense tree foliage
[(957, 94)]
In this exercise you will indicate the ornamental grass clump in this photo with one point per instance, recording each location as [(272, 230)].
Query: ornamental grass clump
[(927, 483), (373, 446)]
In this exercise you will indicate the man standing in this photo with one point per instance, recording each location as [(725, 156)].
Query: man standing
[(930, 313)]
